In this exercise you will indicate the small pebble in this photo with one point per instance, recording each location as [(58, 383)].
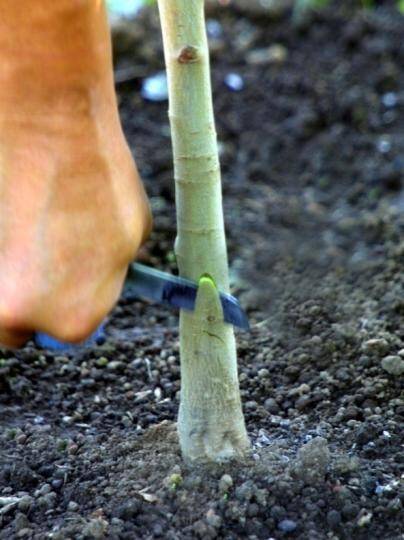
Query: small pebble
[(72, 506), (96, 529), (24, 533), (274, 54), (271, 406), (47, 501), (213, 519), (364, 518), (43, 490), (225, 483), (350, 510), (244, 492), (333, 519), (25, 503), (375, 345), (312, 461), (21, 522), (302, 402), (263, 439), (384, 145), (129, 509), (250, 405), (252, 510), (287, 525), (394, 365), (158, 530), (390, 100), (57, 483), (277, 512)]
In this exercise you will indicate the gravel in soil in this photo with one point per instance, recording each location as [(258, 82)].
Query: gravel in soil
[(312, 148)]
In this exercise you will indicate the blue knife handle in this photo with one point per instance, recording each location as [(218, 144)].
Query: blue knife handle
[(48, 342)]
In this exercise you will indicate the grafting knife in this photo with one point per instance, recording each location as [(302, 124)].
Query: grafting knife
[(163, 288), (147, 283)]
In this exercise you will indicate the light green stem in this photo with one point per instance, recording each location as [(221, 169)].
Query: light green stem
[(210, 424)]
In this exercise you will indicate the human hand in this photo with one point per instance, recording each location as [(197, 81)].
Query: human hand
[(73, 211), (71, 221)]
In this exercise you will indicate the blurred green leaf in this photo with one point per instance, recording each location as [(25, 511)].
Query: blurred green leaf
[(400, 6)]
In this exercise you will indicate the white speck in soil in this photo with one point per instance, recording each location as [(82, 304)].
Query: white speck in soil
[(155, 88), (384, 145), (214, 28), (287, 525), (263, 439), (234, 82), (390, 100)]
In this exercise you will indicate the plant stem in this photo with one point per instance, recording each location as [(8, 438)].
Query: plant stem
[(210, 424)]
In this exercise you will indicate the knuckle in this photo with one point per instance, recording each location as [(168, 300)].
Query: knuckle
[(75, 327), (14, 314), (73, 332)]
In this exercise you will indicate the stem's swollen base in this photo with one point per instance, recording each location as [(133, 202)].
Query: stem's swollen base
[(210, 424)]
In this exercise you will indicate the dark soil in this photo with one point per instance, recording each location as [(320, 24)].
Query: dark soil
[(313, 165)]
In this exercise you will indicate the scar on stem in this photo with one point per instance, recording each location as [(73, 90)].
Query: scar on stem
[(188, 55)]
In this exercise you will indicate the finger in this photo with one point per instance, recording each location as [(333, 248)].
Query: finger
[(148, 225), (14, 338)]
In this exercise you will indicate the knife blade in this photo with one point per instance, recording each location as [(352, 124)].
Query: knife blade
[(160, 287), (164, 288)]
